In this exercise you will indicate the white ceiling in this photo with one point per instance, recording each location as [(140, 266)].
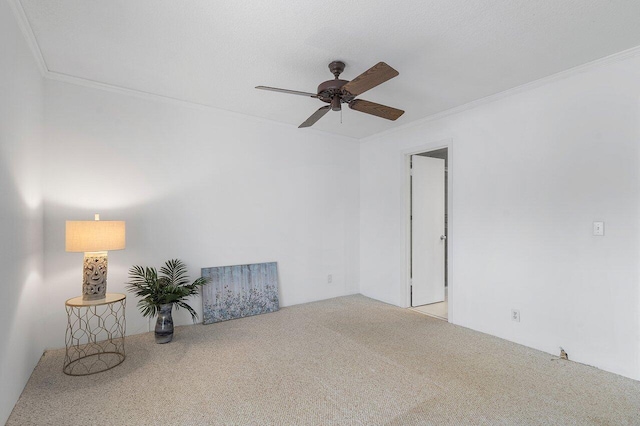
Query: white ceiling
[(448, 52)]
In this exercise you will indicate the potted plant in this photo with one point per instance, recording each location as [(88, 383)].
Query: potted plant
[(159, 293)]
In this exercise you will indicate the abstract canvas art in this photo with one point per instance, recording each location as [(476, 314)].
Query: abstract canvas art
[(239, 291)]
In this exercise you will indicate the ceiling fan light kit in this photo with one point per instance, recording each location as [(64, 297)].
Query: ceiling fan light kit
[(336, 92)]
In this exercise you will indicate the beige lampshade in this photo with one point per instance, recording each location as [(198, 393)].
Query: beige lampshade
[(94, 235)]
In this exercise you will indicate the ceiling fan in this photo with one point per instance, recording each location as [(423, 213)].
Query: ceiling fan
[(336, 92)]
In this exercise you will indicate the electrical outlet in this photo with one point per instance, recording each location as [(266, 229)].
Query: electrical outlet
[(515, 315), (329, 278)]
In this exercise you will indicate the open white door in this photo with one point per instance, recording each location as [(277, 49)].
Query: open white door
[(427, 230)]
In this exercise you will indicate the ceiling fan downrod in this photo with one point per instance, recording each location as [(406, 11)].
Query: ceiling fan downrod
[(336, 68)]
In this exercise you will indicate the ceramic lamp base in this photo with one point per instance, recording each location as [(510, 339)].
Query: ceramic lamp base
[(94, 275)]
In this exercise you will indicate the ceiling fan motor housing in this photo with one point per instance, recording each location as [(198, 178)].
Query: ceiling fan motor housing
[(330, 88), (331, 91)]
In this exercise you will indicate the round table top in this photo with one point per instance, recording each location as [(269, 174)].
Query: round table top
[(109, 298)]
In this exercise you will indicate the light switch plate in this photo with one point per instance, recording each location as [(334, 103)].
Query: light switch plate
[(598, 228)]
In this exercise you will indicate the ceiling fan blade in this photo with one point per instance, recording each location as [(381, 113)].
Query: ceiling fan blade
[(376, 109), (292, 92), (315, 116), (369, 79)]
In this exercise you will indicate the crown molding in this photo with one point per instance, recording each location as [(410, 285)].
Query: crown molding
[(598, 63), (27, 30), (96, 85)]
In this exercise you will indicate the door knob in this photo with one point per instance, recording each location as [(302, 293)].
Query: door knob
[(443, 237)]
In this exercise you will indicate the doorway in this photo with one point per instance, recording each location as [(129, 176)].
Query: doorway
[(429, 178)]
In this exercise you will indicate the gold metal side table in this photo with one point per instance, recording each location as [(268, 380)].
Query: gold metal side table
[(95, 334)]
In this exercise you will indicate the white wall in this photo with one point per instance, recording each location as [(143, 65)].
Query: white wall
[(21, 100), (529, 174), (206, 186)]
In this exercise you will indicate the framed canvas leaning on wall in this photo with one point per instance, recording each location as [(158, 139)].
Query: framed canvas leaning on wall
[(239, 291)]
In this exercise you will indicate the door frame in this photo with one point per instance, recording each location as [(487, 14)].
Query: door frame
[(406, 219)]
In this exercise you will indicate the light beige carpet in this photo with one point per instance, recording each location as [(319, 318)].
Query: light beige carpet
[(347, 361)]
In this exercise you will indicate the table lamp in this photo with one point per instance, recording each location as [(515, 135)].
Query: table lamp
[(94, 238)]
